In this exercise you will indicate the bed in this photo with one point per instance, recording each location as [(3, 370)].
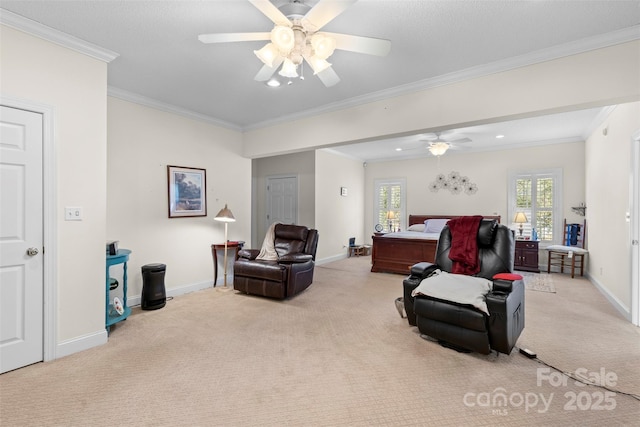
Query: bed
[(397, 252)]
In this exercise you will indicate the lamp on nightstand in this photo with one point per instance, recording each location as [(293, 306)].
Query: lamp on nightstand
[(225, 216), (520, 218), (390, 217)]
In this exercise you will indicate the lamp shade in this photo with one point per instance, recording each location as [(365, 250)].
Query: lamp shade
[(391, 215), (283, 37), (267, 54), (323, 46), (520, 218), (318, 65), (288, 69), (225, 215)]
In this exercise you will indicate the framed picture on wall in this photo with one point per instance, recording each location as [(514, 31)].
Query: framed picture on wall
[(187, 191)]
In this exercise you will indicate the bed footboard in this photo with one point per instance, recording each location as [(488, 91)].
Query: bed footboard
[(391, 255)]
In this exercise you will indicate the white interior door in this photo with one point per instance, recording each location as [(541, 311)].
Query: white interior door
[(282, 200), (21, 238)]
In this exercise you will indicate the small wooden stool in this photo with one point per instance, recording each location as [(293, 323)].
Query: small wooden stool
[(356, 250)]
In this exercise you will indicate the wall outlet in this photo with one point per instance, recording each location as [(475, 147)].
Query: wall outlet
[(72, 214)]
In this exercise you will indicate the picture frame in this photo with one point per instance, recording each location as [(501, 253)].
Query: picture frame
[(187, 189)]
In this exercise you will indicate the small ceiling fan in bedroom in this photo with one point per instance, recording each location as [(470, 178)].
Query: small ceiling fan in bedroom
[(440, 142), (295, 39)]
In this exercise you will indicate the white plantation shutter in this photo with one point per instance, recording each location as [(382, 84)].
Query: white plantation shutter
[(538, 194), (390, 197)]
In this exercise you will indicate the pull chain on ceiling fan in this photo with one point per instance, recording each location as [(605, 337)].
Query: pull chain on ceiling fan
[(295, 39)]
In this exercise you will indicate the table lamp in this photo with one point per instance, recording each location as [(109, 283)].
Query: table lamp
[(225, 216), (391, 216), (520, 218)]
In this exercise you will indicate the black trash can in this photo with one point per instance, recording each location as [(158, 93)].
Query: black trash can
[(153, 292)]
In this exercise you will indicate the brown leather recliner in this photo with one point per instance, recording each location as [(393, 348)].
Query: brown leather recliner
[(285, 277)]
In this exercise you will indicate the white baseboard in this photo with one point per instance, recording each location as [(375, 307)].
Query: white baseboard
[(330, 259), (96, 339), (134, 300), (623, 309), (85, 342)]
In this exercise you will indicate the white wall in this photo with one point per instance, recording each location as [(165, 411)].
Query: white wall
[(601, 77), (338, 217), (301, 165), (142, 142), (488, 170), (75, 86), (608, 171)]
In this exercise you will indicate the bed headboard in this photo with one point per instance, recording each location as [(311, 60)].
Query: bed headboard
[(419, 219)]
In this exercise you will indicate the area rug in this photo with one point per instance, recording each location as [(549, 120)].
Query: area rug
[(539, 282)]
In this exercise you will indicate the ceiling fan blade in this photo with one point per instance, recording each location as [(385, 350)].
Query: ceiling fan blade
[(368, 45), (266, 72), (233, 37), (328, 77), (323, 12), (271, 12), (460, 141)]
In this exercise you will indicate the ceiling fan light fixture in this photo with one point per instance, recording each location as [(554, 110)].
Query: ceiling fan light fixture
[(318, 65), (283, 37), (289, 69), (323, 46), (438, 148), (267, 54)]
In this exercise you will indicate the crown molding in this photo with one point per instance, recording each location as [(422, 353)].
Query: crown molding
[(580, 46), (37, 29), (555, 52), (168, 108)]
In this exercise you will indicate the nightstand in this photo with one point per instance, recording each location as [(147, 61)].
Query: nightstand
[(527, 256)]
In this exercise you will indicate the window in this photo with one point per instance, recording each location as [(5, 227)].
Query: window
[(538, 194), (390, 200)]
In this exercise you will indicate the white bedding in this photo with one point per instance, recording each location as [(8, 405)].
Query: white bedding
[(413, 235)]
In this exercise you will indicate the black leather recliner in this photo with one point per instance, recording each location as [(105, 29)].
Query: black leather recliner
[(285, 277), (465, 327)]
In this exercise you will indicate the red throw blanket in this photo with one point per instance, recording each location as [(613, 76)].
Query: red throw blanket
[(464, 244)]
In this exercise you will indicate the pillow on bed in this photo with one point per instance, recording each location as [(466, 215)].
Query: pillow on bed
[(416, 227), (435, 225)]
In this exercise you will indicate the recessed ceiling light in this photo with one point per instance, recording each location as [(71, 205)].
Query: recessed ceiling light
[(273, 83), (499, 136), (398, 149)]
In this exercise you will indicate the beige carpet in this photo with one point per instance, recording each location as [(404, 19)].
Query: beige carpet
[(336, 355)]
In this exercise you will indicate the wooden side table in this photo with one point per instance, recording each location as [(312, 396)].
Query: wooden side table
[(356, 250), (526, 256), (111, 316), (233, 248), (359, 250)]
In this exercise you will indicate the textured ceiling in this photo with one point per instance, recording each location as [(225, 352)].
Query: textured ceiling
[(160, 57)]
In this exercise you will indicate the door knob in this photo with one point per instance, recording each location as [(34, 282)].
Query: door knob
[(32, 251)]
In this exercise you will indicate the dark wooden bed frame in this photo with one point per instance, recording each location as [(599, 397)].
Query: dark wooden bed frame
[(397, 255)]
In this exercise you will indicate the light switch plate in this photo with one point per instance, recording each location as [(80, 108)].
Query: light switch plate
[(72, 214)]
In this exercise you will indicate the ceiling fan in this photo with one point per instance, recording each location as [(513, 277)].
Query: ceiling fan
[(439, 143), (295, 39)]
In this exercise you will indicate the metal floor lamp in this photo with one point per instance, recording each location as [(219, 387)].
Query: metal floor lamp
[(225, 216)]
